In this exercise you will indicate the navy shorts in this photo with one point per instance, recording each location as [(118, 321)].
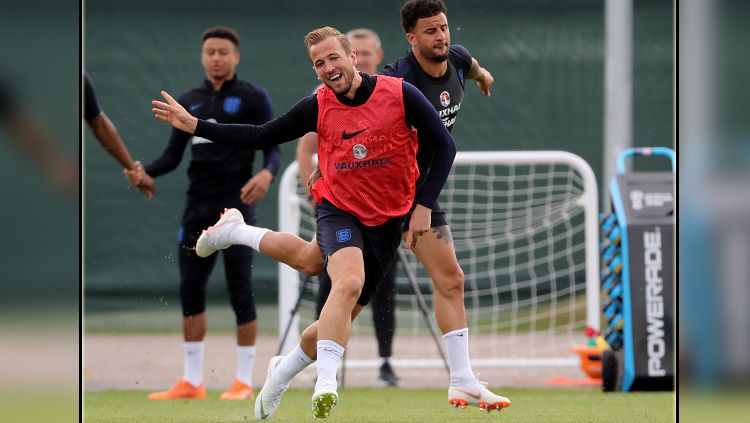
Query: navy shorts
[(379, 244), (438, 217)]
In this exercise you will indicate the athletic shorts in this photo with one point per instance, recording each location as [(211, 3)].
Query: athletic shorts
[(438, 217), (379, 244)]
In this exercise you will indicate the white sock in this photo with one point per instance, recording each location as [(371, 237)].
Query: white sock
[(291, 364), (329, 358), (248, 235), (193, 371), (245, 358), (457, 348)]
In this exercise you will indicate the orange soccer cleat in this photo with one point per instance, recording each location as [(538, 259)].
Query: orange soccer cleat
[(181, 389), (238, 391)]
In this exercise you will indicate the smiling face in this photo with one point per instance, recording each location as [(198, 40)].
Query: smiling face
[(219, 57), (431, 38), (332, 64)]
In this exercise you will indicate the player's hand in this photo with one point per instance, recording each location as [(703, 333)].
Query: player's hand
[(314, 176), (138, 178), (256, 187), (418, 225), (485, 81), (134, 175), (174, 114), (147, 186)]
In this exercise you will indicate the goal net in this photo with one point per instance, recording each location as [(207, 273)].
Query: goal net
[(524, 227)]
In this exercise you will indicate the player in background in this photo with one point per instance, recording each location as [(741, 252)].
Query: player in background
[(31, 137), (440, 71), (220, 176), (366, 44), (367, 128), (28, 134), (106, 133)]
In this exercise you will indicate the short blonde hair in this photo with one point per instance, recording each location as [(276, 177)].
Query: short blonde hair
[(364, 33), (317, 35)]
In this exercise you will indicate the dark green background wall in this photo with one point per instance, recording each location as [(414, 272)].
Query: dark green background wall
[(547, 58), (40, 66)]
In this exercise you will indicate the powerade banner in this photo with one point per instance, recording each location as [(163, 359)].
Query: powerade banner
[(652, 297), (647, 202)]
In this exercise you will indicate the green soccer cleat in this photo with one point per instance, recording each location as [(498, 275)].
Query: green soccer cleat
[(322, 403)]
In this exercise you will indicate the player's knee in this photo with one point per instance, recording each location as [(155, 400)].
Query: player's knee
[(244, 311), (311, 263), (451, 282), (348, 288), (312, 267), (241, 299), (193, 299)]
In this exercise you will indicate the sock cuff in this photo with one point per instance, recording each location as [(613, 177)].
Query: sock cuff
[(194, 346), (259, 237), (328, 345), (250, 349), (457, 332), (299, 352)]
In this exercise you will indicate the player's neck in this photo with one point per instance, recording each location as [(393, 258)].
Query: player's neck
[(216, 83), (355, 84), (431, 67)]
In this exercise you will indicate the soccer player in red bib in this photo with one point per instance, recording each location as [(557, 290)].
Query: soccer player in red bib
[(367, 130), (439, 70)]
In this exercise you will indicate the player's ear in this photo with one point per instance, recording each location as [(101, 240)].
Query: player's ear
[(411, 39)]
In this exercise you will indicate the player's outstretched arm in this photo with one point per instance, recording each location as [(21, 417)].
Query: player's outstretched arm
[(174, 114), (298, 121), (106, 133), (482, 76)]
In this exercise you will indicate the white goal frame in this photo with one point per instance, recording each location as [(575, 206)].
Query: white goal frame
[(289, 221)]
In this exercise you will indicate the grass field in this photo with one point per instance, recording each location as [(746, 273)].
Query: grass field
[(389, 405)]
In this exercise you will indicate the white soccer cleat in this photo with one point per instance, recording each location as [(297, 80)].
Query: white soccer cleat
[(269, 398), (479, 395), (323, 402), (216, 237)]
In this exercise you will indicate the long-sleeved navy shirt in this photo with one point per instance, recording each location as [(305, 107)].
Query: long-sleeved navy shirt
[(217, 170), (445, 92), (91, 107), (303, 118)]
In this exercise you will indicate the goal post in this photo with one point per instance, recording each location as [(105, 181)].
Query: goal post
[(525, 228)]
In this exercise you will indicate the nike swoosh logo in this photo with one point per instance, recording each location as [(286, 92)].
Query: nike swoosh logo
[(475, 396), (346, 136), (263, 414), (194, 107)]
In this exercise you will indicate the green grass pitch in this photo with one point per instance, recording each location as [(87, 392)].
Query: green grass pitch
[(391, 405)]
